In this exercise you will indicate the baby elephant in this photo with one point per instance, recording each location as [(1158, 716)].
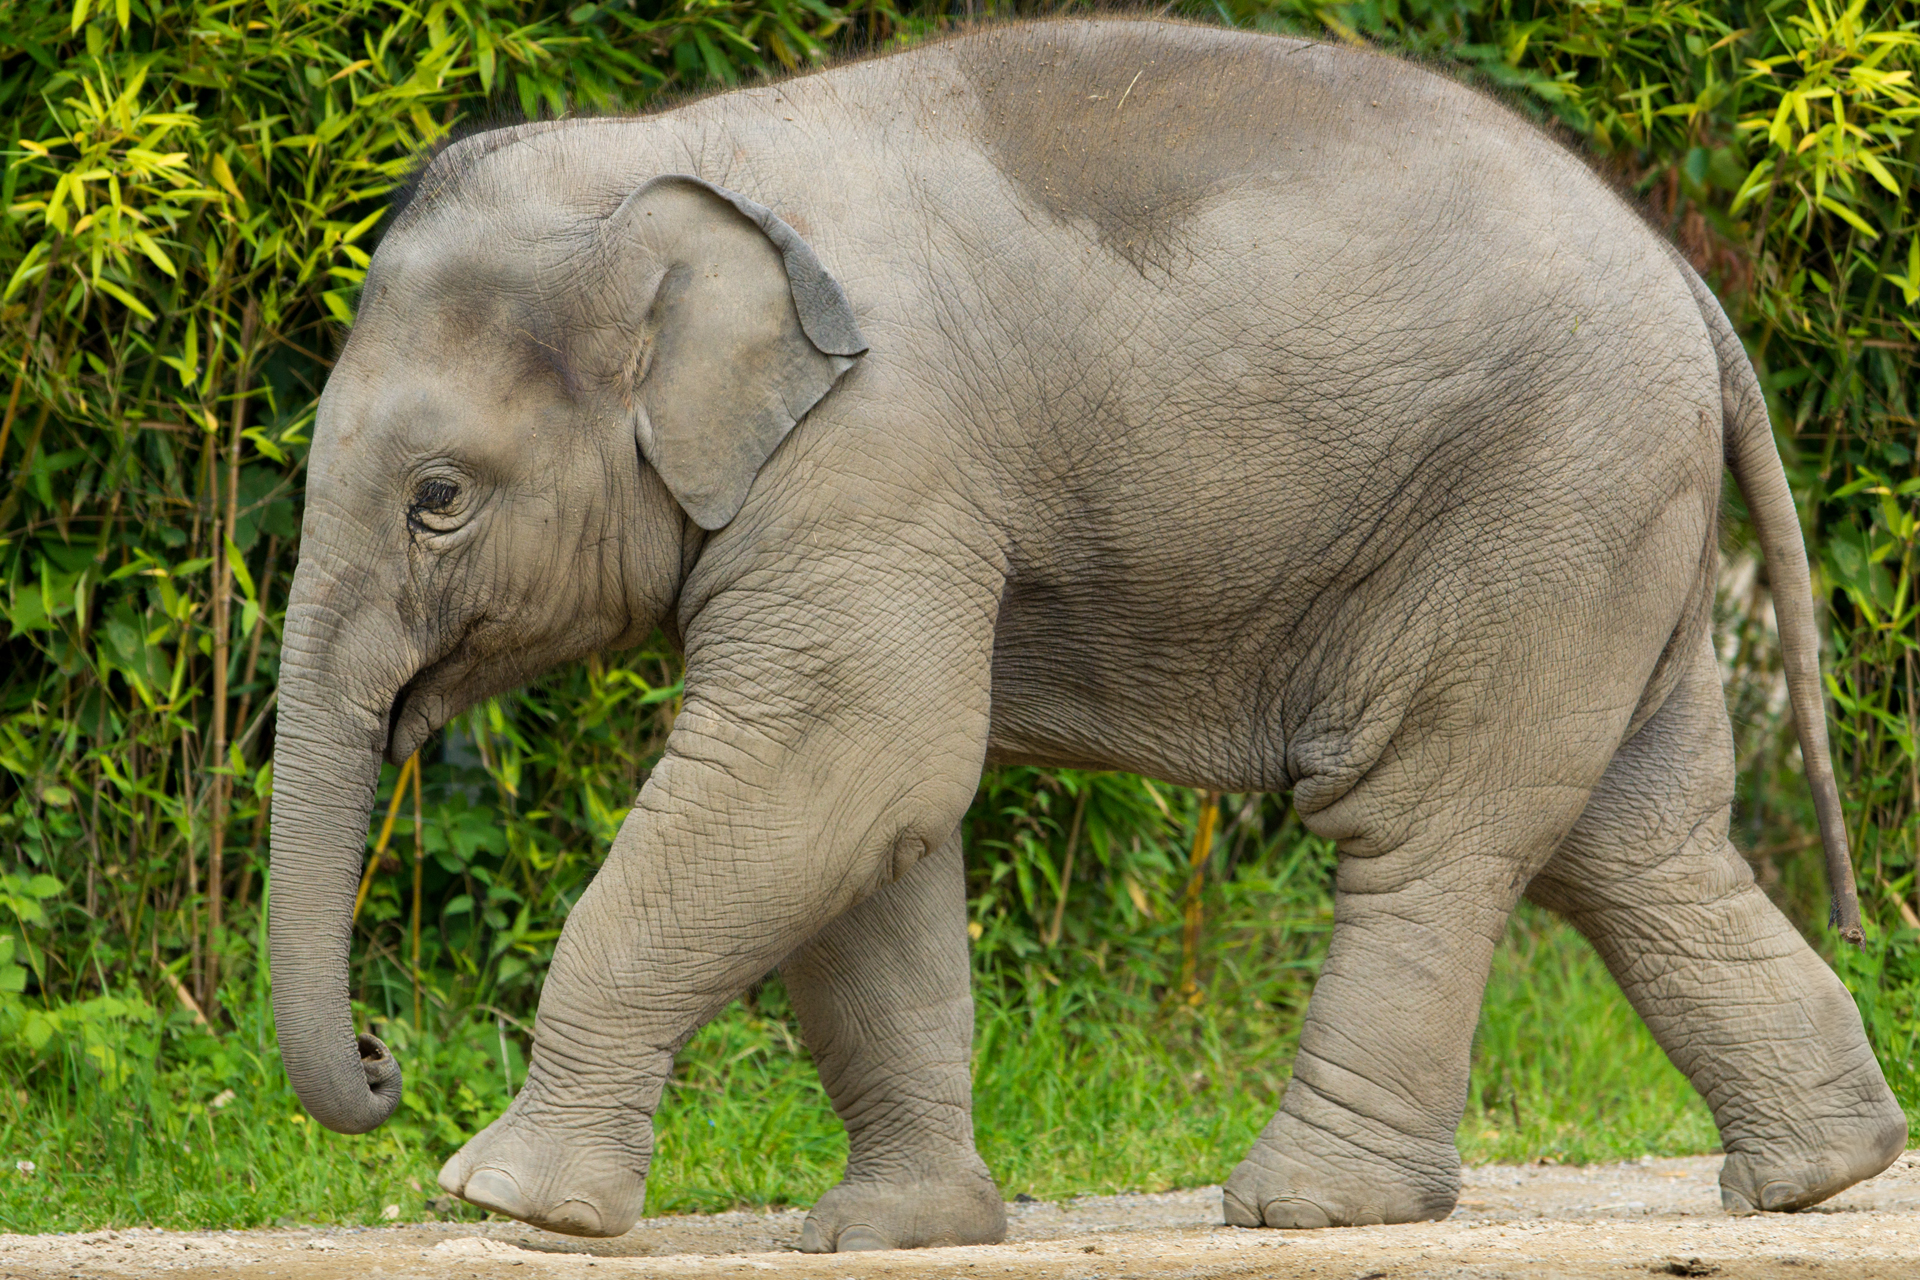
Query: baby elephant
[(932, 401)]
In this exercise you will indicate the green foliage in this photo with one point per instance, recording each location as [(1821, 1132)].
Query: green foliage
[(190, 193), (1564, 1070)]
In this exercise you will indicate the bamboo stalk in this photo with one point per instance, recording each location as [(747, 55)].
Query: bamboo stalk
[(193, 864), (1913, 781), (419, 853), (244, 891), (39, 424), (1189, 988), (20, 476), (1066, 871), (222, 780), (386, 832), (20, 374), (187, 1001), (259, 628)]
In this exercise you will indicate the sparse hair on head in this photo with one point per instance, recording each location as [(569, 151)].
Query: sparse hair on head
[(427, 177)]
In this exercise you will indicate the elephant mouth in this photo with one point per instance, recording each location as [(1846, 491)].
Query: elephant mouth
[(440, 691), (424, 704), (450, 681), (408, 724)]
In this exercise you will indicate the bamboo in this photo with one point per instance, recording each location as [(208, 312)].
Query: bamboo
[(193, 864), (1066, 870), (386, 832), (1913, 781), (259, 628), (244, 891), (20, 374), (1189, 988), (419, 852), (20, 476), (222, 777)]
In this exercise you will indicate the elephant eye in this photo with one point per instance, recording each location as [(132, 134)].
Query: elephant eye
[(436, 506), (435, 494)]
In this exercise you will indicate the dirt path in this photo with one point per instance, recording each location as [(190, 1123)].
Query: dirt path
[(1654, 1217)]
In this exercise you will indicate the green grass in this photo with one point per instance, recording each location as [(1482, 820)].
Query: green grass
[(1564, 1069), (1076, 1093)]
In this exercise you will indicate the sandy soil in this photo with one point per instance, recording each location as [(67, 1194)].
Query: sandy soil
[(1656, 1217)]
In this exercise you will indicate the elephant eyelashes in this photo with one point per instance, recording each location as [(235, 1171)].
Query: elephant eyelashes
[(436, 505)]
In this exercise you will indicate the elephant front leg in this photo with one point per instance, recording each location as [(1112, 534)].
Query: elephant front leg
[(571, 1152), (886, 1006), (798, 784)]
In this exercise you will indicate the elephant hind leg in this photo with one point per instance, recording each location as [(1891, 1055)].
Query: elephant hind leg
[(886, 1006), (1365, 1133), (1743, 1007)]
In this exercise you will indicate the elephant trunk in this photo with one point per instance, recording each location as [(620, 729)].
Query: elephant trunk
[(330, 736)]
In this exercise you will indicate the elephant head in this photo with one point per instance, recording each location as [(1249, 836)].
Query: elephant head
[(539, 400)]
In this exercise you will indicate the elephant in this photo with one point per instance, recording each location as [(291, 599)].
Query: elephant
[(1246, 412)]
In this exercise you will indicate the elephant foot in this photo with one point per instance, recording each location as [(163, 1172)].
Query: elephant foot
[(550, 1175), (1781, 1177), (1294, 1178), (855, 1216)]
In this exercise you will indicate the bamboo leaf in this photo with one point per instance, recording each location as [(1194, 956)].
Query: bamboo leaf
[(125, 299), (237, 566), (223, 175), (1849, 216), (155, 254), (1872, 165)]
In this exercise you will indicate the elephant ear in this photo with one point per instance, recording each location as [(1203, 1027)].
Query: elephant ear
[(743, 331)]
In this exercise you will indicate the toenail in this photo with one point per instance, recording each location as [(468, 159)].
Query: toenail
[(1293, 1214), (495, 1189), (1778, 1197), (860, 1238), (576, 1217), (450, 1180), (1236, 1211)]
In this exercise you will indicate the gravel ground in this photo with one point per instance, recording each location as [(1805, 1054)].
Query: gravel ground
[(1658, 1217)]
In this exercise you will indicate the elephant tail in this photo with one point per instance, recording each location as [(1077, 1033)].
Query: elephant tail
[(1755, 463)]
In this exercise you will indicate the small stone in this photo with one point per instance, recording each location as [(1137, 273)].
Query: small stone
[(391, 1213)]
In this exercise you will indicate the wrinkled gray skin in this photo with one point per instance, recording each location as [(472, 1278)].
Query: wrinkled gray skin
[(1243, 412)]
